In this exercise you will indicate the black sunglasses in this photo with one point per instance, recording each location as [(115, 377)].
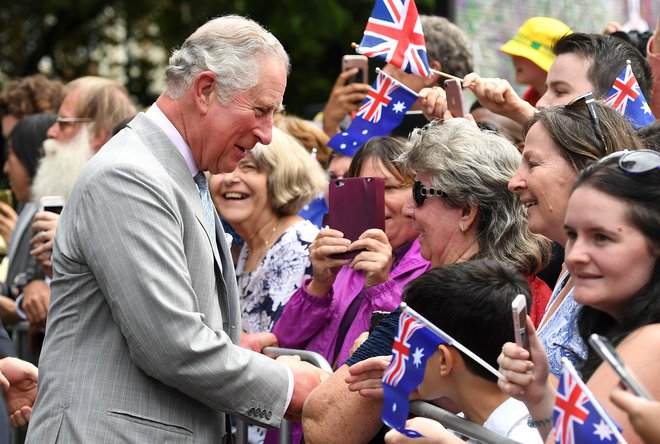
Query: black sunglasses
[(636, 162), (593, 113), (420, 192)]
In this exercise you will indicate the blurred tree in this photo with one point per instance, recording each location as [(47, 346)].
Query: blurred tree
[(131, 40)]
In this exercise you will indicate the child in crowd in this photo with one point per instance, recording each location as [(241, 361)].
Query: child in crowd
[(471, 302)]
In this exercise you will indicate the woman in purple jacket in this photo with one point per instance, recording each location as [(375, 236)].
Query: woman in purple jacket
[(334, 307)]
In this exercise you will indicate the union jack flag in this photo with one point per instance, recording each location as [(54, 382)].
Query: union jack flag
[(394, 34), (413, 345), (627, 98), (578, 416), (382, 110)]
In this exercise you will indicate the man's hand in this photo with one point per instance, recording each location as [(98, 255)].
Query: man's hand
[(343, 99), (306, 378), (499, 97), (36, 297), (44, 226), (257, 341), (366, 376), (433, 433), (20, 389)]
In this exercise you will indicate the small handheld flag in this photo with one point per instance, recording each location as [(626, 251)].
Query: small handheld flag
[(394, 34), (627, 98)]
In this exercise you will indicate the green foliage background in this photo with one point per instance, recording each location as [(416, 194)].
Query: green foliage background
[(63, 37)]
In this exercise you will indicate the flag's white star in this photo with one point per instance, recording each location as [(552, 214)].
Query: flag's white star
[(365, 131), (646, 108), (394, 407), (354, 143), (603, 430), (399, 107), (344, 134), (342, 146), (417, 356)]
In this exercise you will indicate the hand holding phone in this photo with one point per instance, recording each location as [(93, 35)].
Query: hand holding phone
[(519, 312), (455, 102), (356, 205), (605, 350), (356, 61)]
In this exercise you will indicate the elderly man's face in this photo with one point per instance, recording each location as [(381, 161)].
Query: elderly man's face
[(65, 131), (234, 128)]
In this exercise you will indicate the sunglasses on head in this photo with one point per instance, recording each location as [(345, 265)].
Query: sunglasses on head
[(593, 113), (636, 162), (420, 192)]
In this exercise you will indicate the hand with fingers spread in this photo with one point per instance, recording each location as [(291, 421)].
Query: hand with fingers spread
[(325, 267), (344, 99), (366, 376), (377, 259), (498, 96), (8, 218)]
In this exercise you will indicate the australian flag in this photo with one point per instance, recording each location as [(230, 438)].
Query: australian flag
[(382, 110), (394, 34), (578, 416), (413, 345), (626, 97)]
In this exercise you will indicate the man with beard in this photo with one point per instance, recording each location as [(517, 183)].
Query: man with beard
[(92, 106)]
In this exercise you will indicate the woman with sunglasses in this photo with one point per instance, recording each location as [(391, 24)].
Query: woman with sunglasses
[(612, 228), (461, 209), (561, 141)]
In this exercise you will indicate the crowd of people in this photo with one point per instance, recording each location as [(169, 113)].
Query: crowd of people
[(192, 236)]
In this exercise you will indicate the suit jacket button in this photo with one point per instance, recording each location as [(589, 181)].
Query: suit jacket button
[(263, 413), (251, 411), (257, 412), (269, 414)]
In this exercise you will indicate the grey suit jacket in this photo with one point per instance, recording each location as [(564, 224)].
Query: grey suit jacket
[(137, 346)]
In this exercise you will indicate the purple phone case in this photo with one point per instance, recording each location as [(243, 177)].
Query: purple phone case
[(356, 205)]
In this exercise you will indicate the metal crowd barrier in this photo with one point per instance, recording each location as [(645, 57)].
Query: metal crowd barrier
[(458, 424), (285, 427)]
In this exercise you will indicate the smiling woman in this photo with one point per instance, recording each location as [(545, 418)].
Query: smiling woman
[(260, 200)]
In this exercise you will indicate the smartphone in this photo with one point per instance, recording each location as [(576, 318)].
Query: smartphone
[(356, 205), (605, 350), (519, 313), (7, 197), (53, 204), (356, 61), (455, 102)]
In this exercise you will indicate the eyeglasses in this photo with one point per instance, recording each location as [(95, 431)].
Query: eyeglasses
[(420, 192), (593, 113), (66, 122), (636, 162)]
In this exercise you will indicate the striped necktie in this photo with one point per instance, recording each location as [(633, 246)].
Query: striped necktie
[(207, 203)]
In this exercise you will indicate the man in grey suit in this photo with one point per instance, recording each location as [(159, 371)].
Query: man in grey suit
[(144, 309)]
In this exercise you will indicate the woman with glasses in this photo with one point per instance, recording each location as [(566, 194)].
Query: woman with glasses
[(461, 210), (612, 227), (561, 141)]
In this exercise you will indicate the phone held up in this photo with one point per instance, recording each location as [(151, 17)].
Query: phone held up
[(519, 313), (7, 197), (605, 350), (53, 204), (356, 205), (455, 102), (356, 61)]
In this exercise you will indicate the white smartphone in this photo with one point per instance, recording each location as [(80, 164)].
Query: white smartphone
[(519, 313), (605, 350), (54, 204)]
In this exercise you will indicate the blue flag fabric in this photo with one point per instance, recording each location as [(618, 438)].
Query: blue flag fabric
[(382, 110), (413, 345), (578, 416), (627, 98), (394, 34)]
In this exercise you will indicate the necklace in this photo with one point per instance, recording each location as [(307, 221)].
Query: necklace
[(270, 239)]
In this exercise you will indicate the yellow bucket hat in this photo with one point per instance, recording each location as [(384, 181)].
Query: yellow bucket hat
[(534, 40)]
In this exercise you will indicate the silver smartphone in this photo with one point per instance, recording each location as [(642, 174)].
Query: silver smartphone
[(605, 350), (519, 313)]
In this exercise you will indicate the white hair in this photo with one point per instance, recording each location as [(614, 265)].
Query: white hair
[(232, 47)]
